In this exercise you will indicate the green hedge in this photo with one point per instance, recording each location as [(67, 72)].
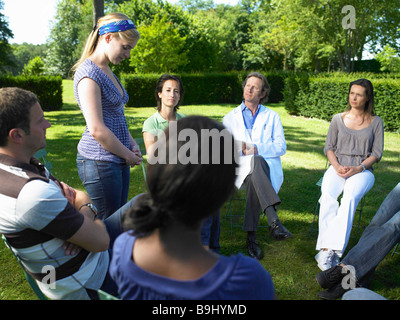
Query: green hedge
[(200, 88), (322, 96), (48, 89)]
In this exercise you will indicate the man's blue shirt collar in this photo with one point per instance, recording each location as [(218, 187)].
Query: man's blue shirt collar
[(248, 117)]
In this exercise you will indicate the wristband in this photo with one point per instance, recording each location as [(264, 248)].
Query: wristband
[(91, 206), (363, 167)]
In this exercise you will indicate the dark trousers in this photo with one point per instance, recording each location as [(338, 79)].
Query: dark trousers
[(259, 194)]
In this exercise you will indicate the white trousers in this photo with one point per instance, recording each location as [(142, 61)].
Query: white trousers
[(335, 221)]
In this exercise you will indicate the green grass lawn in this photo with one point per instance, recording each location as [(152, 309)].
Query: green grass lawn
[(291, 263)]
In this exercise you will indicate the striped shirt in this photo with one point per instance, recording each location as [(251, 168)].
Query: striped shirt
[(36, 219), (113, 112)]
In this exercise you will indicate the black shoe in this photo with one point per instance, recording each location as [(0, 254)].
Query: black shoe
[(328, 278), (278, 231), (334, 293), (254, 250)]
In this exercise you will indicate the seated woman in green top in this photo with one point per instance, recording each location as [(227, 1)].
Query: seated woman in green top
[(169, 95)]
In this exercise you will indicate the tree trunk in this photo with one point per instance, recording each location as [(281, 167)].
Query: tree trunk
[(98, 10)]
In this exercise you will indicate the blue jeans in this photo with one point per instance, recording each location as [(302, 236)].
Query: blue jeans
[(362, 294), (381, 235), (210, 231), (114, 227), (106, 183)]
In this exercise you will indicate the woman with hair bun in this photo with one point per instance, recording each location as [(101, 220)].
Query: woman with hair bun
[(160, 256), (106, 150)]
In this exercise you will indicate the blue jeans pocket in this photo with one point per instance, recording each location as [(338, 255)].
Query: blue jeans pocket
[(106, 183), (87, 170)]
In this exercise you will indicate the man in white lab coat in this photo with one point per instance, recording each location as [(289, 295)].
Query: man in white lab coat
[(260, 133)]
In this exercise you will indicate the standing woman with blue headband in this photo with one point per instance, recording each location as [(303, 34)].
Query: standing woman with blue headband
[(106, 150)]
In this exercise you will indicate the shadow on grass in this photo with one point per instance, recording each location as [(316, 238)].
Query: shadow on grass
[(291, 262)]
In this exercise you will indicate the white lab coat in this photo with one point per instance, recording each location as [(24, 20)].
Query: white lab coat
[(267, 135)]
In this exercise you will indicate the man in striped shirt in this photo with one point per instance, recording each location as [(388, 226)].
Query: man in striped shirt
[(48, 224)]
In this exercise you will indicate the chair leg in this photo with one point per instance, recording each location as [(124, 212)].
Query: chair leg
[(229, 214), (360, 210), (316, 213), (395, 250), (235, 197)]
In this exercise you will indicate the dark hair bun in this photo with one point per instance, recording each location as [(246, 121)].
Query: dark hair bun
[(143, 218)]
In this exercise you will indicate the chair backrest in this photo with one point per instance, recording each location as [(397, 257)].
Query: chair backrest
[(31, 281), (140, 143), (105, 295), (41, 155)]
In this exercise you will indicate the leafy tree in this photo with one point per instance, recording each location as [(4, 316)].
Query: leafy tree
[(282, 39), (5, 34), (217, 27), (64, 45), (23, 53), (141, 12), (389, 59), (319, 32), (193, 6), (160, 48), (256, 55), (34, 67), (255, 34), (201, 46), (242, 25)]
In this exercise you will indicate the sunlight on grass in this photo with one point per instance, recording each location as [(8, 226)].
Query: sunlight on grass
[(291, 263)]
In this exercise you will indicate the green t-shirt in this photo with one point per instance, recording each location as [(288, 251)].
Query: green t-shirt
[(157, 124)]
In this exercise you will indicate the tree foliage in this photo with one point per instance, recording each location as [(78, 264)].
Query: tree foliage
[(160, 48), (5, 34), (34, 67), (389, 59), (23, 53), (194, 36), (64, 38), (321, 31)]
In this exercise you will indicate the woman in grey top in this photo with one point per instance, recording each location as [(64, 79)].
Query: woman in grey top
[(353, 144)]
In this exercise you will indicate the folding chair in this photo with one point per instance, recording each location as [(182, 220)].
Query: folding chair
[(31, 281), (41, 155), (106, 296), (235, 210), (142, 149), (395, 250)]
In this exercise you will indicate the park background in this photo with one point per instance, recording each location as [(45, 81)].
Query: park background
[(309, 51)]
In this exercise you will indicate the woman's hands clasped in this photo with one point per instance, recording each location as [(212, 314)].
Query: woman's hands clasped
[(347, 171), (136, 157)]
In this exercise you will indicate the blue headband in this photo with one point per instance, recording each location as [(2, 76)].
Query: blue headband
[(121, 25)]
